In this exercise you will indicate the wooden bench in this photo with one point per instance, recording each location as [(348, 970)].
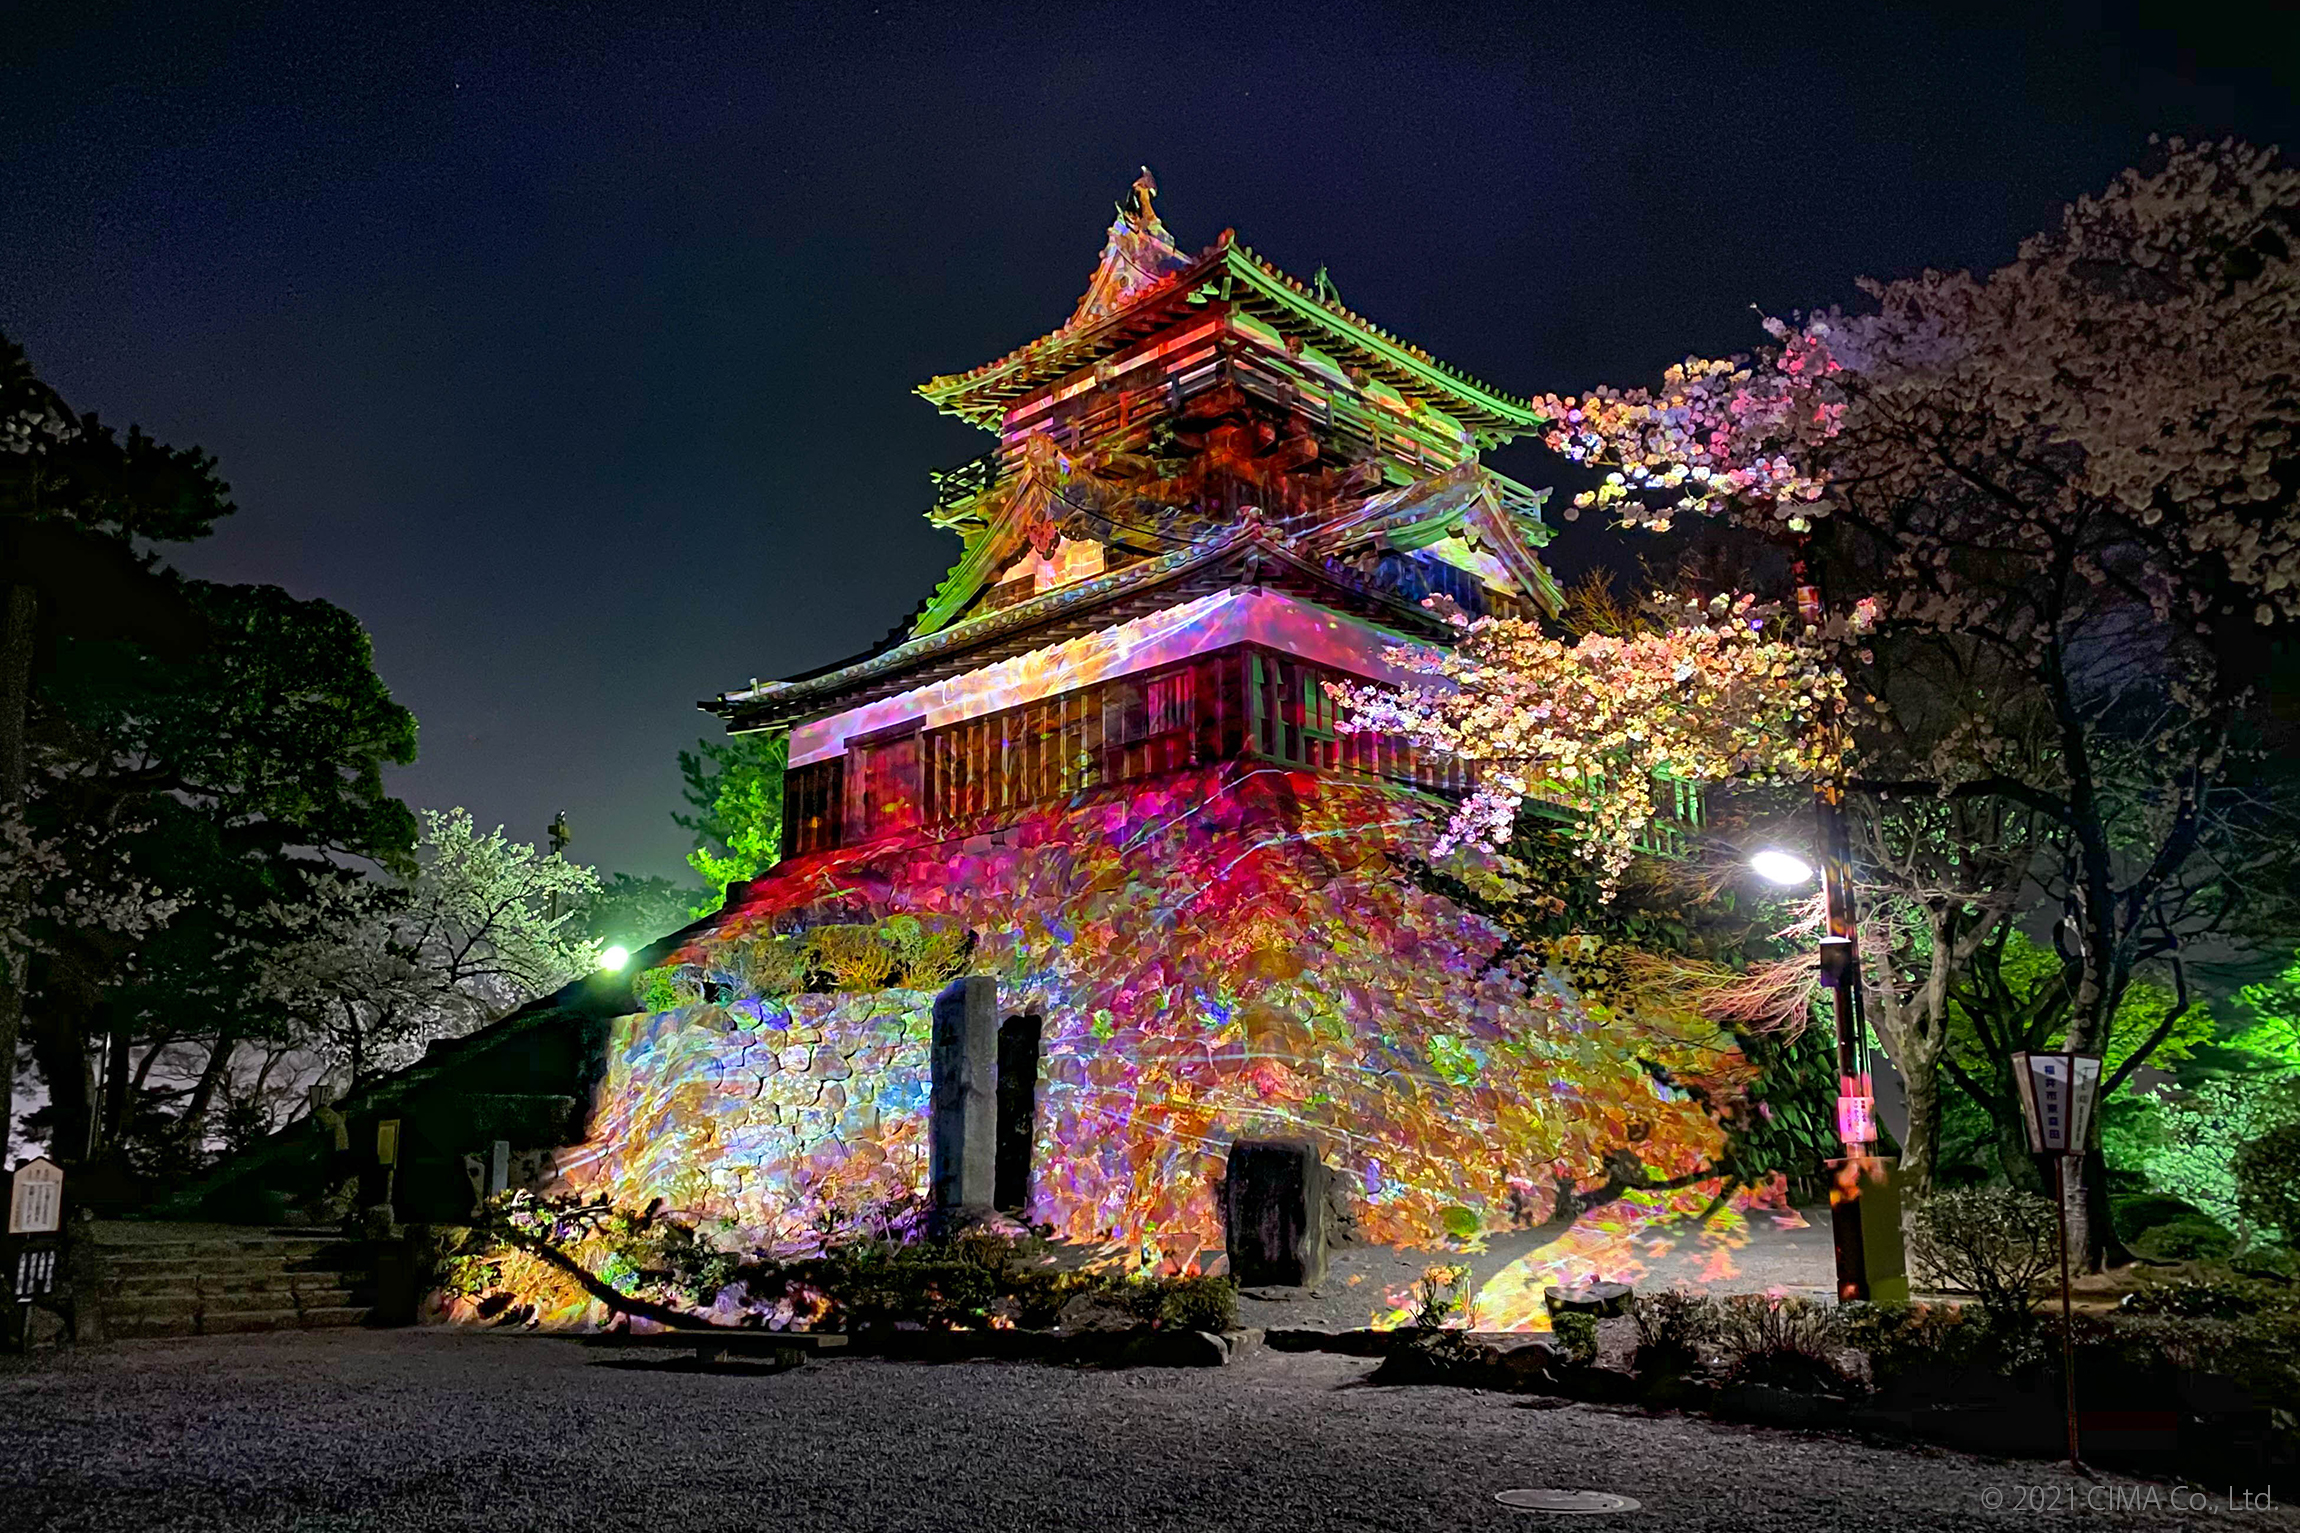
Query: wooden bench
[(787, 1349)]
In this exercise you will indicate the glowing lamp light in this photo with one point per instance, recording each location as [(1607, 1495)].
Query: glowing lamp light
[(1778, 867), (613, 958)]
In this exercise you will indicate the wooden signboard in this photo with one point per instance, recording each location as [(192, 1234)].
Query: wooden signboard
[(36, 1198)]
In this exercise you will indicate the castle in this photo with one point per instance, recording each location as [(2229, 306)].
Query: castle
[(1100, 767)]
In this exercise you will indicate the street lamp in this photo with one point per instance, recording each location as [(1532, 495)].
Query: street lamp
[(1864, 1222), (1778, 867), (1865, 1231)]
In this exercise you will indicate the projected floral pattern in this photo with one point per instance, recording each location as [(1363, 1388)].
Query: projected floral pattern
[(1216, 955)]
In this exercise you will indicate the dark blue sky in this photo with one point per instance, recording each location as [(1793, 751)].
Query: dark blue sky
[(569, 346)]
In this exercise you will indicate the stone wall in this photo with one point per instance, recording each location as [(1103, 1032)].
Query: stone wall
[(1219, 955)]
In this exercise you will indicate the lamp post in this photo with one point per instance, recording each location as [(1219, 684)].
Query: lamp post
[(1864, 1229), (2057, 1093)]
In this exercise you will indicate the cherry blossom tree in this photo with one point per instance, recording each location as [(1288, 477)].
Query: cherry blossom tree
[(1592, 723), (2062, 495), (375, 972)]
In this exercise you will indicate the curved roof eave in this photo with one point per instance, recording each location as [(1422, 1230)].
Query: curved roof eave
[(982, 395)]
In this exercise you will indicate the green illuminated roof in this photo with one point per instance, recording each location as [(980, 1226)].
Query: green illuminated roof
[(1227, 272)]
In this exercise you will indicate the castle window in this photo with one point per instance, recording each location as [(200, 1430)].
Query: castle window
[(814, 806), (882, 787)]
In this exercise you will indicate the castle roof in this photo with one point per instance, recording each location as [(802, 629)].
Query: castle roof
[(1325, 543), (1144, 277), (1250, 552)]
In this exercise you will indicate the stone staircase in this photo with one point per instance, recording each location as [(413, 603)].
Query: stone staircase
[(207, 1280)]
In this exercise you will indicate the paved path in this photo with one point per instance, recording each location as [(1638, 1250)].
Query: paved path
[(439, 1429)]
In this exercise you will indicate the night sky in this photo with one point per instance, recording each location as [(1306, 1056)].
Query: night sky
[(570, 346)]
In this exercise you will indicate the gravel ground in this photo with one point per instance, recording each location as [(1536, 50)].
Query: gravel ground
[(442, 1429)]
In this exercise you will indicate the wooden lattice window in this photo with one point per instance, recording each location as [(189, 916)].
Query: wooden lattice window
[(813, 809), (883, 782)]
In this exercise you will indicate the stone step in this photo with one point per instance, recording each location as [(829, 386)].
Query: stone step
[(157, 1313), (220, 1266), (232, 1322), (330, 1318), (149, 1285), (221, 1303), (250, 1245)]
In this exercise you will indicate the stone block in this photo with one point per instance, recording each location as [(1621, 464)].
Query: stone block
[(1533, 1364), (1602, 1300), (962, 1141), (1364, 1342), (1174, 1349), (1274, 1212)]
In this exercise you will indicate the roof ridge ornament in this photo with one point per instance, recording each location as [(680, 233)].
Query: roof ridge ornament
[(1138, 255), (1145, 188)]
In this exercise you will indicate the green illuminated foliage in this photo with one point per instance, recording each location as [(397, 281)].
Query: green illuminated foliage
[(735, 787), (2204, 1137), (2272, 1011)]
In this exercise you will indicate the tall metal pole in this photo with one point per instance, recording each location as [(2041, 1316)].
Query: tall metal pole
[(1840, 967), (2067, 1329)]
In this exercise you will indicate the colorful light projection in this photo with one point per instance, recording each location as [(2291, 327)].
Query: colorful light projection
[(1239, 616), (1216, 954), (769, 1112), (1643, 1238)]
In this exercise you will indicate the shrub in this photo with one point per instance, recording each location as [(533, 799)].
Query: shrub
[(1673, 1329), (2193, 1237), (1198, 1303), (977, 1278), (2137, 1211), (1902, 1340), (1577, 1333), (775, 966), (2268, 1182), (2211, 1296), (855, 957), (657, 990), (1990, 1242), (929, 953), (2258, 1353), (1788, 1343), (1897, 1337), (1440, 1296), (2207, 1130)]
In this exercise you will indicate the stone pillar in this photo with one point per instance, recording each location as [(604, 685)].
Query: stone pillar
[(962, 1136), (1274, 1213)]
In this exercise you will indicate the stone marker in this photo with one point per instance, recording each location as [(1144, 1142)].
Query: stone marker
[(962, 1136), (1274, 1211), (1600, 1299)]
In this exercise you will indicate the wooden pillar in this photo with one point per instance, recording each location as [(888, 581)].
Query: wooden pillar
[(962, 1136)]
